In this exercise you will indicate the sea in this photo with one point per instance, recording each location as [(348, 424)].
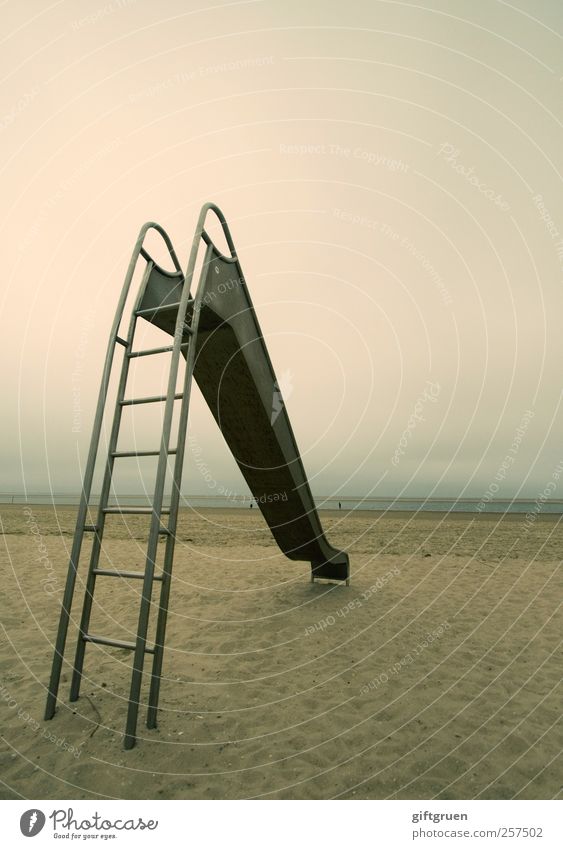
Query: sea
[(346, 503)]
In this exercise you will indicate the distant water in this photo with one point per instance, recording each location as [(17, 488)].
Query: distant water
[(349, 503)]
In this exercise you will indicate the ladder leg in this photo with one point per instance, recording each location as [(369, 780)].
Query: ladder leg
[(141, 642), (152, 548), (160, 634), (174, 506), (97, 543), (104, 496), (171, 539), (64, 618), (138, 661), (85, 620)]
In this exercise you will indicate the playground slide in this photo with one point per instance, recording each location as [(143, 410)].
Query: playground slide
[(220, 337), (237, 379)]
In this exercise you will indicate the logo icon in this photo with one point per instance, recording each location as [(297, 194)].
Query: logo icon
[(32, 822), (282, 389)]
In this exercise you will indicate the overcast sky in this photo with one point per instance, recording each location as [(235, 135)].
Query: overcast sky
[(391, 174)]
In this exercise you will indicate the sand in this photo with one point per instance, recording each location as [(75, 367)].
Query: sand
[(436, 674)]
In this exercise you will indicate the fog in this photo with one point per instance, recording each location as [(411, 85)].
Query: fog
[(390, 173)]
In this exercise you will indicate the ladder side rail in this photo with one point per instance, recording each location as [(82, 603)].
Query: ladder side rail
[(155, 525), (151, 225), (212, 207), (62, 631), (104, 496), (199, 236), (174, 508)]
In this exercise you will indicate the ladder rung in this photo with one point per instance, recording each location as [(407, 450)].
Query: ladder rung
[(148, 351), (121, 341), (119, 573), (164, 307), (90, 528), (118, 644), (149, 400), (141, 453), (164, 531), (145, 511), (156, 310)]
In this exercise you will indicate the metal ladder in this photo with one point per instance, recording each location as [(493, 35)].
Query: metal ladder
[(184, 341), (139, 647)]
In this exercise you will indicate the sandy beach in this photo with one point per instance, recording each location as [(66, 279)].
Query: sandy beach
[(436, 674)]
